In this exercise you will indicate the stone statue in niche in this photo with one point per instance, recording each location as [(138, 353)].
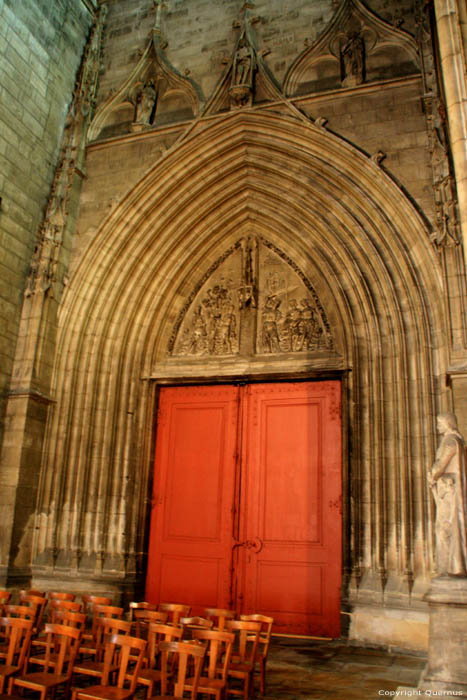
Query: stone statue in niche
[(243, 68), (144, 107), (447, 480), (353, 56), (269, 331)]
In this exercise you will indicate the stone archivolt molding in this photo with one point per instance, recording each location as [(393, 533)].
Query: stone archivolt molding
[(346, 226), (356, 46)]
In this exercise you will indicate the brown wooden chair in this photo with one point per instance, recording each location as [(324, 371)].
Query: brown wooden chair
[(98, 612), (263, 644), (60, 617), (32, 591), (5, 597), (142, 618), (17, 633), (174, 611), (219, 616), (26, 612), (61, 595), (119, 651), (89, 601), (61, 650), (151, 673), (190, 624), (182, 656), (213, 678), (242, 663), (107, 627), (142, 605), (38, 603)]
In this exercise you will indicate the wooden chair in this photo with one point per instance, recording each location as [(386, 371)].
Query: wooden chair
[(213, 678), (62, 647), (32, 591), (190, 624), (17, 633), (142, 618), (36, 602), (119, 651), (107, 627), (219, 616), (5, 597), (142, 605), (60, 617), (175, 611), (98, 612), (263, 644), (26, 612), (242, 663), (60, 595), (151, 673), (184, 656), (89, 601)]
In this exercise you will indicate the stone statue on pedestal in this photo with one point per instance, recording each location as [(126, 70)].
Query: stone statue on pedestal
[(448, 481)]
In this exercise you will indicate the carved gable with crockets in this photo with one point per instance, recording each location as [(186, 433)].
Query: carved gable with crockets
[(253, 300)]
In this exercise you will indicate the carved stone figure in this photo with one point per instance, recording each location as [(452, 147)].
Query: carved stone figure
[(269, 332), (353, 59), (447, 479), (145, 102), (244, 64)]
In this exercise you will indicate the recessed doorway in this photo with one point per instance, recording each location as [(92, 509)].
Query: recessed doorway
[(246, 509)]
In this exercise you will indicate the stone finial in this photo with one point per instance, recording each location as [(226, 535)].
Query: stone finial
[(378, 157)]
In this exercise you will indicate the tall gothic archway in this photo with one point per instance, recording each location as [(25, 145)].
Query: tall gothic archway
[(347, 229)]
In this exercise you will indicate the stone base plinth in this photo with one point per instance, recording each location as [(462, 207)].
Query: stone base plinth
[(447, 668)]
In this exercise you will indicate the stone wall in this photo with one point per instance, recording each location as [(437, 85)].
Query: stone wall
[(41, 44)]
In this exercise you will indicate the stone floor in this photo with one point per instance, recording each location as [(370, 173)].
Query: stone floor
[(336, 670)]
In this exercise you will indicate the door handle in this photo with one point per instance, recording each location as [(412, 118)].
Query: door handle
[(255, 545)]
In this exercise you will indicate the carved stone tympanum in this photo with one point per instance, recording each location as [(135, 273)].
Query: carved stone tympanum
[(252, 300)]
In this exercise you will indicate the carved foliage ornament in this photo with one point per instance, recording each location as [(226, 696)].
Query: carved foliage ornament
[(252, 300)]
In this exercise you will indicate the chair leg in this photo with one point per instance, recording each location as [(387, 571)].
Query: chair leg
[(262, 678)]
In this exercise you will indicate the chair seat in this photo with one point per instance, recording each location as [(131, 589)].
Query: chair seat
[(92, 668), (206, 685), (149, 675), (6, 671), (107, 692), (240, 667), (47, 680)]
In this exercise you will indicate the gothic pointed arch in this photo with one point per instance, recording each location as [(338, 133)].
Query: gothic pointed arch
[(340, 225)]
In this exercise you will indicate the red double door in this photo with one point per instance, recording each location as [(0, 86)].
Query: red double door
[(247, 502)]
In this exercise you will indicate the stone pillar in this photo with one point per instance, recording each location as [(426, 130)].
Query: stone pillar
[(447, 668)]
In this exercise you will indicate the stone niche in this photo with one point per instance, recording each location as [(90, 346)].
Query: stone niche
[(252, 302)]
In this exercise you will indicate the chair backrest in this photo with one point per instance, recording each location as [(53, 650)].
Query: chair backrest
[(67, 617), (219, 616), (32, 591), (63, 606), (246, 639), (108, 611), (158, 632), (142, 618), (219, 652), (90, 600), (36, 602), (22, 611), (60, 595), (5, 597), (189, 657), (18, 633), (190, 624), (141, 605), (125, 647), (62, 644), (175, 611), (265, 632)]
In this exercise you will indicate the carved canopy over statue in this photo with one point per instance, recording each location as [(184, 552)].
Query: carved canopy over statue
[(448, 481)]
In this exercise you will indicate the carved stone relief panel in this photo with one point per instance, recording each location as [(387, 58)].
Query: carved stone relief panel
[(291, 318), (253, 300)]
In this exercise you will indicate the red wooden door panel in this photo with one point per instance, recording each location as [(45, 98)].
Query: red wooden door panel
[(193, 496), (291, 566), (262, 533)]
